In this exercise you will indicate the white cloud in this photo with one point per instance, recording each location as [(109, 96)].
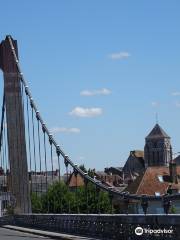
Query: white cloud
[(86, 112), (65, 130), (119, 55), (155, 104), (176, 93), (103, 91)]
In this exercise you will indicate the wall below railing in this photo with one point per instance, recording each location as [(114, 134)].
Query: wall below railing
[(103, 226), (6, 220)]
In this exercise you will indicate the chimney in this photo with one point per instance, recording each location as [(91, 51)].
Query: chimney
[(173, 172)]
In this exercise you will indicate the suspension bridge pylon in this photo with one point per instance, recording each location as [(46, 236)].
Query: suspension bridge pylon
[(18, 172)]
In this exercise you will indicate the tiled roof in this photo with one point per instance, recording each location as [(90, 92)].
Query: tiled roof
[(109, 180), (75, 181), (154, 180), (138, 153), (133, 186), (157, 132), (100, 173)]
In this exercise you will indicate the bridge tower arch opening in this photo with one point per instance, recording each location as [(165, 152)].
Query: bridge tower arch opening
[(19, 179)]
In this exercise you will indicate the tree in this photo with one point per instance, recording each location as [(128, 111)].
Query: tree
[(91, 172), (59, 199), (36, 203), (98, 201), (82, 167)]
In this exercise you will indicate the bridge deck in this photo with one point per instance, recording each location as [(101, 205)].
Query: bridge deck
[(6, 234), (17, 233)]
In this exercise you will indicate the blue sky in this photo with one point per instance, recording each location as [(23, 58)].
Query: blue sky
[(99, 70)]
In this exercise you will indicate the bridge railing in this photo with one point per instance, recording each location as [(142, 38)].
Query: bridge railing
[(104, 226)]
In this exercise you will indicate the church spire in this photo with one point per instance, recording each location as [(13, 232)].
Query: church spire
[(157, 132), (157, 122)]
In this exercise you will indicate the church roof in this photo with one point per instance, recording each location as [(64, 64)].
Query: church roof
[(157, 132), (75, 181)]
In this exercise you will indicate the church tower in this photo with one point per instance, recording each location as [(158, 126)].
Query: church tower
[(157, 150)]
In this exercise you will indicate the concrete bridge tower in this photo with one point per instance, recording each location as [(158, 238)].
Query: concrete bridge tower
[(15, 129)]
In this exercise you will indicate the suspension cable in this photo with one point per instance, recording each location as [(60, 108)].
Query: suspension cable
[(29, 140), (34, 148), (2, 121), (45, 162), (40, 158), (6, 163), (18, 150)]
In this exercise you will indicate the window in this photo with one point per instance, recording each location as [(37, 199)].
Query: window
[(160, 178)]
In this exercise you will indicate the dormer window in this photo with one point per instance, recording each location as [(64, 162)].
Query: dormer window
[(160, 178)]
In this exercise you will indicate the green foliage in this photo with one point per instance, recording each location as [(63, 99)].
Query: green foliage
[(173, 210), (59, 199), (36, 203), (10, 210), (91, 172), (82, 167)]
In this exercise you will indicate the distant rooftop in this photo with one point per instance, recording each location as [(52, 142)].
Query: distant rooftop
[(137, 153), (155, 180)]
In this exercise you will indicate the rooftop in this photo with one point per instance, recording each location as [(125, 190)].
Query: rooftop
[(154, 180)]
